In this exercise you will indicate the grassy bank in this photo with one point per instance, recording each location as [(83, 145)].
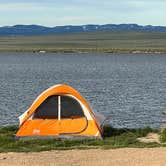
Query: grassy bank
[(163, 135), (100, 42), (113, 138)]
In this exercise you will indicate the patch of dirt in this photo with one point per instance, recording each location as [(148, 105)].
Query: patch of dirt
[(151, 137), (90, 157)]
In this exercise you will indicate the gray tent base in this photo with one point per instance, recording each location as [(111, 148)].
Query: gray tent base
[(59, 137)]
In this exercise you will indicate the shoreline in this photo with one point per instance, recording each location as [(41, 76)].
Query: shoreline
[(112, 139), (84, 51)]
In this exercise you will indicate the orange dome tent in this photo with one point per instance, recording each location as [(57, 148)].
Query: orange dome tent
[(61, 112)]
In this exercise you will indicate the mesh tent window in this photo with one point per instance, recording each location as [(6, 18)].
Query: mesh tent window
[(48, 109), (69, 108)]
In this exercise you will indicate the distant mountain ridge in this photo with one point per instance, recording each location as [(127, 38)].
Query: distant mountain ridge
[(43, 30)]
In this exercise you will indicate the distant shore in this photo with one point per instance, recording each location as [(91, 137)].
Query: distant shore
[(91, 42), (86, 51)]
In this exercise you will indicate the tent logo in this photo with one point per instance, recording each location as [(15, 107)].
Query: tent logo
[(36, 131)]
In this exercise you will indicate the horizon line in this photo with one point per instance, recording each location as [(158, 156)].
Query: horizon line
[(83, 25)]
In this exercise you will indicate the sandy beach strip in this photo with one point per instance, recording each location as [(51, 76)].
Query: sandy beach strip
[(90, 157)]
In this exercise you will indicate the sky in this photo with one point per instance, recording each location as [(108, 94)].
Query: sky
[(78, 12)]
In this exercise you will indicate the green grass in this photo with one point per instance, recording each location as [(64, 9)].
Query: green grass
[(163, 135), (104, 42), (113, 138)]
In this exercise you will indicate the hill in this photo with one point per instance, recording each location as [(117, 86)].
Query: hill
[(42, 30)]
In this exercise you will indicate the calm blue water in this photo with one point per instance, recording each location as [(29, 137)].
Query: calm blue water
[(130, 90)]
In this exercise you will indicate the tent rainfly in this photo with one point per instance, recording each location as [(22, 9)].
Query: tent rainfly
[(60, 112)]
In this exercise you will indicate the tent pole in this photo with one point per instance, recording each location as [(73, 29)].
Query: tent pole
[(59, 107)]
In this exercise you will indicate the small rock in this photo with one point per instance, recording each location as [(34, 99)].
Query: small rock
[(3, 158)]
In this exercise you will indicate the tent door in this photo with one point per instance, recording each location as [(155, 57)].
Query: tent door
[(71, 115), (66, 111)]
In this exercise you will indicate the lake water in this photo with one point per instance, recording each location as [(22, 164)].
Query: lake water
[(130, 90)]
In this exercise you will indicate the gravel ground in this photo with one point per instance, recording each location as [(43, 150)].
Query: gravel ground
[(97, 157)]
